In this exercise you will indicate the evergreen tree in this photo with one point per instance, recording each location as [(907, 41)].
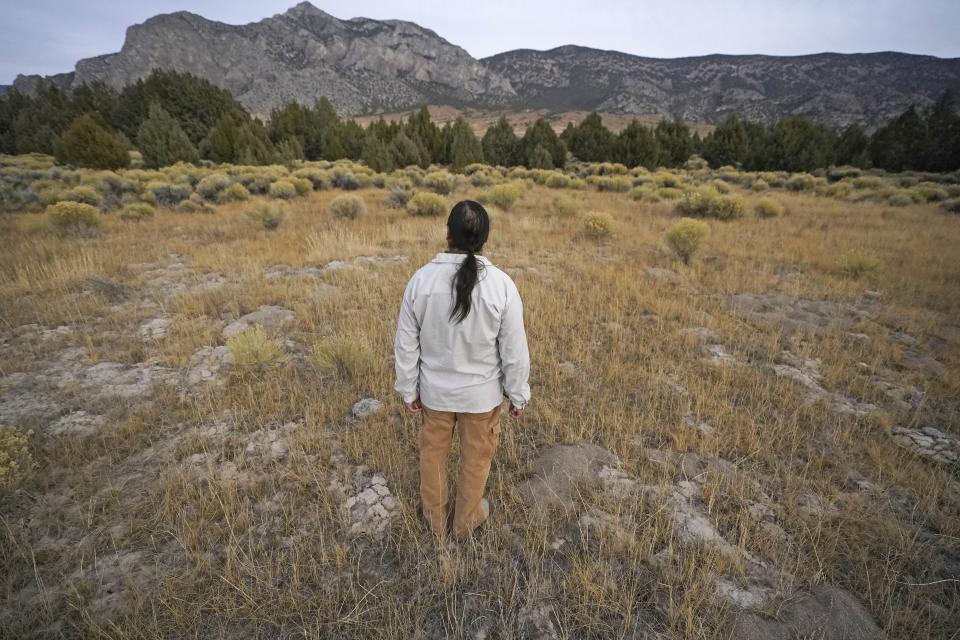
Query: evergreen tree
[(376, 154), (727, 144), (590, 141), (351, 138), (675, 142), (90, 142), (501, 145), (943, 135), (239, 141), (462, 146), (541, 134), (425, 133), (162, 141), (289, 150), (797, 144), (540, 158), (852, 147), (637, 145), (195, 103), (899, 144), (406, 152)]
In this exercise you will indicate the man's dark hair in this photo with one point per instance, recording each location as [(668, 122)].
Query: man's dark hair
[(468, 227)]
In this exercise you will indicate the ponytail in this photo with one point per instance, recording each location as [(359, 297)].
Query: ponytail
[(468, 228)]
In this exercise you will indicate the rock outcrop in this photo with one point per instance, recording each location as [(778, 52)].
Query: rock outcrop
[(370, 66)]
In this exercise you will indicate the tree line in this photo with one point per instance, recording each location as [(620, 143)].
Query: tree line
[(171, 117)]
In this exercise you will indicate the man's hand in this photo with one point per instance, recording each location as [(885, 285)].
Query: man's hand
[(414, 407), (516, 412)]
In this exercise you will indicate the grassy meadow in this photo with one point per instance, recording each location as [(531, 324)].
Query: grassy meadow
[(206, 506)]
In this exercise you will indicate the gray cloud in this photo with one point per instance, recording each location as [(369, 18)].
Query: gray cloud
[(49, 36)]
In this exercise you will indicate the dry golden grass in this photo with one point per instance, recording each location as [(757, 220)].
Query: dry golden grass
[(267, 554)]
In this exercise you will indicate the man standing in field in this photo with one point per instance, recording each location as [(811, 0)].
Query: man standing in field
[(460, 348)]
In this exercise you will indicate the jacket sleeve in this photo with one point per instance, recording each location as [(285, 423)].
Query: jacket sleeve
[(514, 356), (406, 349)]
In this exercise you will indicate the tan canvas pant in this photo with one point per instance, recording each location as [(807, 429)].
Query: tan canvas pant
[(478, 433)]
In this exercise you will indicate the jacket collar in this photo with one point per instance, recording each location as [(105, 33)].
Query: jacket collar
[(456, 258)]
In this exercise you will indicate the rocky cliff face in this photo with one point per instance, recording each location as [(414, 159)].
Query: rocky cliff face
[(370, 66), (361, 65), (833, 88)]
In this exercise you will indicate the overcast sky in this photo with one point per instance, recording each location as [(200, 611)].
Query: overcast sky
[(49, 36)]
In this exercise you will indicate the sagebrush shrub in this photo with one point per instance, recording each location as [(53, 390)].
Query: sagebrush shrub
[(557, 181), (166, 194), (759, 185), (268, 215), (926, 192), (685, 236), (952, 205), (801, 182), (505, 195), (302, 185), (254, 348), (213, 184), (347, 206), (565, 206), (900, 200), (768, 208), (855, 265), (282, 190), (598, 225), (669, 193), (84, 194), (136, 212), (73, 217), (398, 198), (348, 358), (439, 182), (424, 203), (15, 458), (236, 192), (194, 205)]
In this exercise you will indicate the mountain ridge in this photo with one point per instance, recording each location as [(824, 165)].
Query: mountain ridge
[(373, 66)]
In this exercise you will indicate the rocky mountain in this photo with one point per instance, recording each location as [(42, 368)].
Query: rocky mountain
[(4, 88), (373, 66), (361, 65), (833, 88)]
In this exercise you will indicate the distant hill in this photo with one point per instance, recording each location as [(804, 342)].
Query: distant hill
[(369, 66), (4, 88)]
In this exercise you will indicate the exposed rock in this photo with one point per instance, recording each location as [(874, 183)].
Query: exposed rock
[(272, 442), (77, 423), (154, 329), (826, 613), (207, 365), (362, 261), (366, 407), (659, 274), (700, 335), (558, 472), (284, 271), (369, 504), (916, 360), (929, 442), (535, 622), (568, 369), (836, 89), (806, 373), (271, 318), (799, 314), (110, 289), (717, 355)]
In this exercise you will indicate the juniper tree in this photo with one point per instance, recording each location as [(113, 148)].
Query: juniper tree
[(162, 140)]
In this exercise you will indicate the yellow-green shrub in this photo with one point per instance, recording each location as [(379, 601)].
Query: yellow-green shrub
[(82, 193), (504, 195), (565, 206), (424, 203), (213, 184), (268, 215), (73, 217), (136, 212), (768, 208), (347, 206), (597, 225), (759, 185), (253, 348), (854, 265), (439, 182), (15, 458), (348, 358), (801, 182), (685, 236), (303, 185), (283, 190), (236, 192)]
